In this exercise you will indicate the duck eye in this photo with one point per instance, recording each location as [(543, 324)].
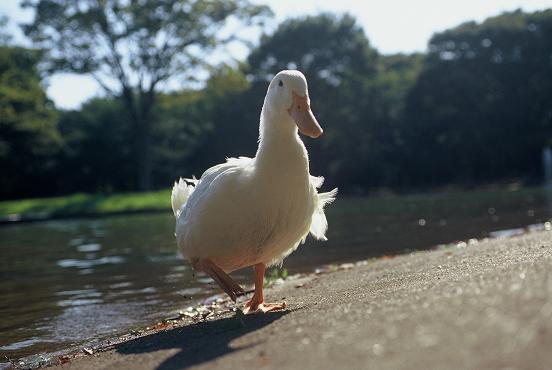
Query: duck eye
[(280, 83)]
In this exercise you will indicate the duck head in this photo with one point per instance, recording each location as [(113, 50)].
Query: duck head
[(287, 103)]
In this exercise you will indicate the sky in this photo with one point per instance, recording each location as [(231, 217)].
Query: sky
[(392, 26)]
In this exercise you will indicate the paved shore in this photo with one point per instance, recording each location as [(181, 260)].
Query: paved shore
[(484, 305)]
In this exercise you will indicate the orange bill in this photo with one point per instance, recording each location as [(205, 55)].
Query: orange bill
[(304, 118)]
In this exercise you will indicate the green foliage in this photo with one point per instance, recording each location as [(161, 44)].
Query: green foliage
[(28, 135), (396, 76), (275, 275), (97, 151), (182, 122), (233, 119), (194, 126), (482, 101), (397, 73)]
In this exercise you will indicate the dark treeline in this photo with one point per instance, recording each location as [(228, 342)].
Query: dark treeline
[(475, 108)]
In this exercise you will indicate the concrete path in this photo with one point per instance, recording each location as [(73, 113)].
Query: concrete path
[(481, 306)]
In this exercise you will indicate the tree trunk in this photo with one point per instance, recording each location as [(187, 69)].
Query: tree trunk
[(140, 110), (143, 154)]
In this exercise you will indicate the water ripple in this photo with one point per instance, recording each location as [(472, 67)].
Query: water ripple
[(85, 264), (92, 247)]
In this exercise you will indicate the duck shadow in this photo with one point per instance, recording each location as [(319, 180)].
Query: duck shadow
[(201, 342)]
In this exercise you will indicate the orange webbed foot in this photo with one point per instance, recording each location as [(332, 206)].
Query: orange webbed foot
[(253, 307)]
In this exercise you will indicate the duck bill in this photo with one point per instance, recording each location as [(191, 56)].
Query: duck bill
[(304, 118)]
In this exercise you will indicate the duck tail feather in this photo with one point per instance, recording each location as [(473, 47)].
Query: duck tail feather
[(326, 198), (180, 193), (316, 181), (319, 224)]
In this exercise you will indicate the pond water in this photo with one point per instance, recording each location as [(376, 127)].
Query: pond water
[(64, 282)]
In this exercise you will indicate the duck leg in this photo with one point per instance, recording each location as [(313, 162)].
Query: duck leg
[(220, 277), (257, 304)]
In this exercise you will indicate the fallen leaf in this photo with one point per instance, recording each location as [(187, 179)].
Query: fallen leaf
[(161, 325)]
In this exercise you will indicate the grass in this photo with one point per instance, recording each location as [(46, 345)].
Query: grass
[(86, 204)]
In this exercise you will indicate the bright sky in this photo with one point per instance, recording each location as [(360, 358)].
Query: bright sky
[(391, 26)]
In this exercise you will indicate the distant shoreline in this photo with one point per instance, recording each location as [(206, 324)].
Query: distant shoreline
[(31, 218), (82, 205)]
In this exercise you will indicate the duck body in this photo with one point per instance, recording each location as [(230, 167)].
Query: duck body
[(252, 211), (247, 211)]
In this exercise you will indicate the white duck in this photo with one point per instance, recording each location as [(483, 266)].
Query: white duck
[(256, 211)]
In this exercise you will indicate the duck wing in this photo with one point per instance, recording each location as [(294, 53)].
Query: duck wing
[(210, 179)]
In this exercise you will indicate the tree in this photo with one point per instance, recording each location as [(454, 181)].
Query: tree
[(224, 108), (96, 151), (480, 110), (186, 140), (29, 139), (397, 74), (131, 47)]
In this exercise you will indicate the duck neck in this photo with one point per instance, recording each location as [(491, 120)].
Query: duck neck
[(279, 143)]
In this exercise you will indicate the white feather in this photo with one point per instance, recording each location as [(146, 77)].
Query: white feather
[(180, 194), (319, 224)]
